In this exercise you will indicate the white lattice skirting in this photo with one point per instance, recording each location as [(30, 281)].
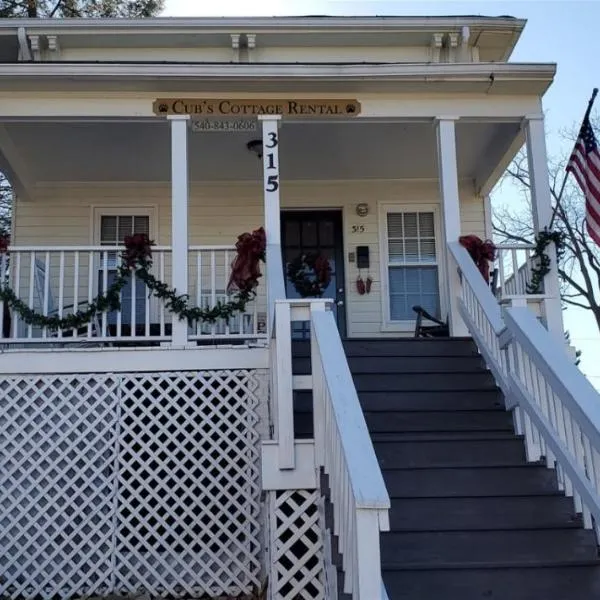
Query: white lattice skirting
[(296, 546), (130, 483)]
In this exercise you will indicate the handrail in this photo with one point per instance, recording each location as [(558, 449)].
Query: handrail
[(343, 448), (555, 407), (88, 248), (485, 297)]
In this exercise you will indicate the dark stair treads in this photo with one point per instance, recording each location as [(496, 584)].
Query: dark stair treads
[(399, 382), (465, 452), (470, 481), (556, 582), (404, 364), (470, 518), (483, 513), (447, 549)]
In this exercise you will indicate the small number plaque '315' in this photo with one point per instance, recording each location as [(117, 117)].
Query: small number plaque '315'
[(224, 125)]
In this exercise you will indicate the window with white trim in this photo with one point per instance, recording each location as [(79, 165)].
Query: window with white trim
[(412, 264), (113, 231)]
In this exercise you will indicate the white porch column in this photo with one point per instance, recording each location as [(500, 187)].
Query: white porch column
[(270, 140), (179, 217), (541, 205), (449, 194)]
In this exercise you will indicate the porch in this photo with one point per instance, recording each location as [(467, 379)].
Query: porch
[(72, 211)]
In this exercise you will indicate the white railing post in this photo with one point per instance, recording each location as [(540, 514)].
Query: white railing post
[(541, 204), (368, 554), (316, 369), (179, 217), (450, 198), (284, 393)]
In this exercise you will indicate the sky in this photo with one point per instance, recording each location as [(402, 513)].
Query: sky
[(560, 31)]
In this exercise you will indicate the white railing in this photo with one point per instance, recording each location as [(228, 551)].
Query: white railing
[(61, 280), (343, 447), (514, 264), (555, 407), (344, 450), (209, 273)]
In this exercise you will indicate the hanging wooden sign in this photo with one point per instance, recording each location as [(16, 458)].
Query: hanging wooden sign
[(252, 108)]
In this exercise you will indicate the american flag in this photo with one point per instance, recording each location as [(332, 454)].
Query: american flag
[(585, 166)]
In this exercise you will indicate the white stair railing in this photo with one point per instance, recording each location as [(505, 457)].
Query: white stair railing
[(344, 450), (555, 407)]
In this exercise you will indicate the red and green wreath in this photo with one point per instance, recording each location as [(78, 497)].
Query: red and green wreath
[(310, 274)]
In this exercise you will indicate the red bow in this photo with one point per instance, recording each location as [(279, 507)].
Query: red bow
[(245, 272), (137, 249), (481, 252), (4, 243)]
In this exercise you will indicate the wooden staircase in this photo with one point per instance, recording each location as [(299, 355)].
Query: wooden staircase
[(470, 518)]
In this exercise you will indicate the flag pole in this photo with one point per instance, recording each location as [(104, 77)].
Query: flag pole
[(566, 177)]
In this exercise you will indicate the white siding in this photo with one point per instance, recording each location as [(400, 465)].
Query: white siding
[(62, 215)]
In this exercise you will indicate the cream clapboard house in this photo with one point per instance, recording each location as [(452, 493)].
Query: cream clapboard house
[(144, 454)]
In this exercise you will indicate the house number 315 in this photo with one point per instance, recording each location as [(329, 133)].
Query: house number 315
[(358, 228), (272, 168)]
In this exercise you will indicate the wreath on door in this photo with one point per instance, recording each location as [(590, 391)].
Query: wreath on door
[(310, 274)]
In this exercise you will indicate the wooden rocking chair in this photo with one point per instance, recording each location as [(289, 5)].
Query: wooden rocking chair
[(439, 329)]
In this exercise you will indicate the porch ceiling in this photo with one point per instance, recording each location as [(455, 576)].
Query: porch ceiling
[(140, 151)]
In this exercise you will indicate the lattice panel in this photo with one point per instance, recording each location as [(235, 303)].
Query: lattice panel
[(129, 484), (296, 546), (57, 484), (188, 484)]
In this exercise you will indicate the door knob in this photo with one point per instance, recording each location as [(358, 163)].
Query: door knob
[(340, 303)]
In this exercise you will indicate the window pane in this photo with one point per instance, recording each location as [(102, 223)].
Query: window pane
[(292, 233), (108, 230), (410, 225), (309, 234), (412, 251), (396, 252), (125, 227), (394, 224), (141, 225), (410, 286), (427, 250), (426, 224)]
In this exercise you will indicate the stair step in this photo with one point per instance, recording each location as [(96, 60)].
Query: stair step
[(526, 479), (447, 453), (496, 512), (488, 399), (555, 582), (438, 421), (402, 364), (399, 382), (407, 426), (485, 548), (399, 347)]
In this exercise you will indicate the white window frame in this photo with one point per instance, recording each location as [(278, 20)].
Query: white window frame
[(105, 210), (126, 211), (387, 325)]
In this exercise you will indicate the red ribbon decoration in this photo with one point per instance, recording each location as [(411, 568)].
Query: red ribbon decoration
[(245, 271), (481, 252), (137, 248), (4, 243)]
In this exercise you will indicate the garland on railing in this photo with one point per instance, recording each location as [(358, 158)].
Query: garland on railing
[(310, 274), (137, 258), (540, 260)]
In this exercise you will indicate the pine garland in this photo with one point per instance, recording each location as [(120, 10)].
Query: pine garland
[(137, 258), (542, 261)]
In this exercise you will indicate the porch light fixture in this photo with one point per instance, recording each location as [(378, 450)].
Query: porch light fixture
[(362, 209), (255, 146)]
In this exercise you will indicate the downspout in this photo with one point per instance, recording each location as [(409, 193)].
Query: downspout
[(24, 50)]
